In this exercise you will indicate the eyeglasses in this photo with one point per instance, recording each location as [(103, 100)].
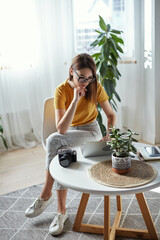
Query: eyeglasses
[(83, 80)]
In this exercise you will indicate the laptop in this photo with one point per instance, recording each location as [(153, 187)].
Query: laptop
[(97, 148)]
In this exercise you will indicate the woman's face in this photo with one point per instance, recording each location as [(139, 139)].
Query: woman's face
[(79, 76)]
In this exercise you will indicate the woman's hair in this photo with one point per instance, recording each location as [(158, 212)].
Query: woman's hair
[(84, 60)]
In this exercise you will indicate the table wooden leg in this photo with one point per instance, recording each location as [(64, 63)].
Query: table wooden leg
[(117, 218), (106, 217), (81, 227), (146, 215), (111, 232), (119, 203), (81, 211)]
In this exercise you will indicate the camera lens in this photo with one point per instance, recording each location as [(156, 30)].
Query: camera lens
[(65, 160)]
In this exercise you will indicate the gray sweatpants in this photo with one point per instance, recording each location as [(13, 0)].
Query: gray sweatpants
[(75, 136)]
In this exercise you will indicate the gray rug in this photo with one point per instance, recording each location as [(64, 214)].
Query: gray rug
[(14, 225)]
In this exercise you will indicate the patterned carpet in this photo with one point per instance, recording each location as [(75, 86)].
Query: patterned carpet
[(14, 225)]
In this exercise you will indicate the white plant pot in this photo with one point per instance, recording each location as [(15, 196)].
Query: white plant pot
[(121, 165)]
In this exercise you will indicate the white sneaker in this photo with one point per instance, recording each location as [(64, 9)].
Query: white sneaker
[(37, 207), (57, 224)]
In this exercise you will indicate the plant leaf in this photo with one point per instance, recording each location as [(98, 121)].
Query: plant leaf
[(99, 107), (114, 71), (102, 127), (102, 24), (98, 66), (117, 39), (112, 105), (113, 63), (103, 69), (114, 59), (113, 45), (134, 139), (102, 41), (114, 48), (98, 31), (95, 43), (116, 31), (134, 150), (115, 53), (117, 71), (96, 55), (119, 48), (100, 35), (117, 96), (99, 117), (4, 142), (1, 129), (114, 102), (109, 87), (108, 27), (105, 50)]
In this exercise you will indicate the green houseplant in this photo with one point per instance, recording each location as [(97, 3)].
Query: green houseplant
[(1, 136), (121, 143), (108, 45)]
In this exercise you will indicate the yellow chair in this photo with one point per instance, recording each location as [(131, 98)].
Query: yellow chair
[(49, 124)]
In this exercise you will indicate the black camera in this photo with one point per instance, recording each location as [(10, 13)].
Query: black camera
[(66, 156)]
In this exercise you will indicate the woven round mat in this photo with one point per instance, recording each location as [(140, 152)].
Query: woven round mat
[(141, 173)]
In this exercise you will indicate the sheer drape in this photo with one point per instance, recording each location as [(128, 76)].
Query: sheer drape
[(23, 90)]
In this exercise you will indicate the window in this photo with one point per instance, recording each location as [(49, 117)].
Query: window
[(18, 34), (119, 5), (118, 13)]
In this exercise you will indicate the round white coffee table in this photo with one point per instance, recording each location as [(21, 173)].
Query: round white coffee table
[(77, 178)]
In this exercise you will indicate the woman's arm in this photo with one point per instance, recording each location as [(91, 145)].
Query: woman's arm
[(64, 118), (109, 113)]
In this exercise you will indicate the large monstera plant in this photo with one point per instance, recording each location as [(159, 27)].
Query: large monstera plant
[(109, 46)]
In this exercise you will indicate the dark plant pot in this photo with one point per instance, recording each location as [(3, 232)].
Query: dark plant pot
[(121, 165)]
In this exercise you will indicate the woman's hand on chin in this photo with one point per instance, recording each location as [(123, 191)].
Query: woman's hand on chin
[(79, 92)]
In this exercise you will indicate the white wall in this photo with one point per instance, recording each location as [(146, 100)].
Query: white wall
[(139, 87), (157, 69), (130, 85), (151, 83), (148, 125)]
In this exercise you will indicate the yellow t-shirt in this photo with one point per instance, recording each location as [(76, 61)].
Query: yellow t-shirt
[(86, 111)]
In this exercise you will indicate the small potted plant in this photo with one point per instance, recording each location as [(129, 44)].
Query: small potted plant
[(121, 143)]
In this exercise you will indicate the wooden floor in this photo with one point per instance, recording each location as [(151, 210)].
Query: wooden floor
[(21, 168)]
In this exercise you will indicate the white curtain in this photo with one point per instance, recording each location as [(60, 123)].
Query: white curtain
[(36, 48)]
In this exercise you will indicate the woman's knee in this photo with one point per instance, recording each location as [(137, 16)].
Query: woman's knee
[(53, 140)]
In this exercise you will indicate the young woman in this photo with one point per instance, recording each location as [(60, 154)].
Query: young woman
[(75, 103)]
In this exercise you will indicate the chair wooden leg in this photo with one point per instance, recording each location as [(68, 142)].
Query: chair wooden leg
[(80, 212), (106, 217), (146, 215)]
